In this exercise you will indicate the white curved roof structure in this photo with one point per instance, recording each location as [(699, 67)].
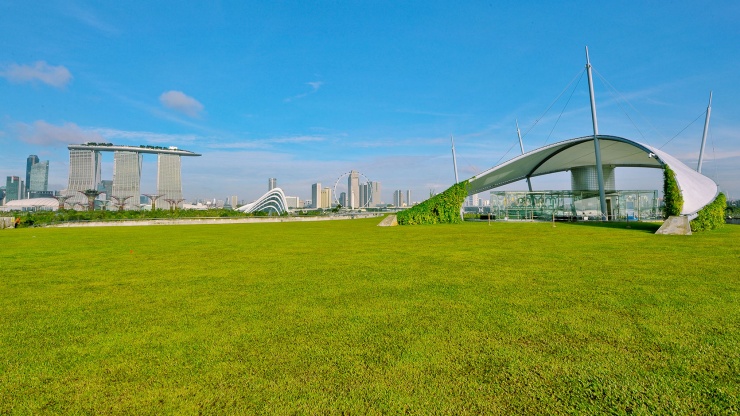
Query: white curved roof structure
[(38, 203), (697, 189), (273, 200)]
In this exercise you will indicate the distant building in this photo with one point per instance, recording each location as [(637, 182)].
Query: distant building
[(14, 189), (234, 201), (39, 177), (375, 199), (398, 198), (408, 197), (84, 173), (353, 190), (271, 184), (364, 195), (316, 195), (127, 177), (343, 199), (106, 187), (169, 180), (326, 199), (30, 161), (293, 202)]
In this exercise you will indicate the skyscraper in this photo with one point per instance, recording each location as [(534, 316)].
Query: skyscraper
[(408, 197), (398, 198), (375, 198), (364, 195), (13, 188), (127, 177), (169, 180), (84, 173), (353, 190), (326, 200), (316, 195), (271, 184), (343, 199), (30, 161), (39, 177)]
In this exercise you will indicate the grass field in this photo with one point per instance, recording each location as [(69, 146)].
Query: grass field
[(344, 316)]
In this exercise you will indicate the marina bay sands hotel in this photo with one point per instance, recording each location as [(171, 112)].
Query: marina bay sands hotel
[(85, 172)]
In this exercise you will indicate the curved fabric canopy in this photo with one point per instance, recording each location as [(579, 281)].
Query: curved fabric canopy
[(697, 189)]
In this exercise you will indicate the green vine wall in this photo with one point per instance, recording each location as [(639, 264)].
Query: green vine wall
[(443, 208)]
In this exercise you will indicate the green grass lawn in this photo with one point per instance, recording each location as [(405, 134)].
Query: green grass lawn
[(344, 316)]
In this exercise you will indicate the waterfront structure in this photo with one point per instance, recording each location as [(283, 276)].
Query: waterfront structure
[(316, 196), (39, 177), (353, 190), (271, 184), (30, 161), (85, 171)]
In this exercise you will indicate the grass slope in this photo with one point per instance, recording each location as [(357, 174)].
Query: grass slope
[(348, 317)]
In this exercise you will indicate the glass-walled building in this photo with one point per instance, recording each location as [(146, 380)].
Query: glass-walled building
[(575, 205)]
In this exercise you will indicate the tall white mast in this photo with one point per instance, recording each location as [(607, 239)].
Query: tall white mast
[(704, 136), (521, 146), (454, 158), (597, 147)]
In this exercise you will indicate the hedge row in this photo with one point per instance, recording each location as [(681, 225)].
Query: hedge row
[(440, 209), (711, 216), (671, 193)]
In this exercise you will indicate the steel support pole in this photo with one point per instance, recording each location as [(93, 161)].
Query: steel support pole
[(597, 147), (704, 136)]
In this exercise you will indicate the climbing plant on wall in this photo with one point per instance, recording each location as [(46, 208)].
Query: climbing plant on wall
[(671, 193), (711, 216), (439, 209)]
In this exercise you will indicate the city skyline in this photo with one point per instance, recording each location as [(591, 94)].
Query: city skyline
[(287, 91)]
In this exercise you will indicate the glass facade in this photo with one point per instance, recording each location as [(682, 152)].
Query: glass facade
[(39, 177), (575, 205)]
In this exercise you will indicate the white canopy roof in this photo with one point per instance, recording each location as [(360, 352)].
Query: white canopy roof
[(697, 189), (41, 203)]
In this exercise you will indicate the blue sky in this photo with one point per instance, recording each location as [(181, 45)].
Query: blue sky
[(306, 91)]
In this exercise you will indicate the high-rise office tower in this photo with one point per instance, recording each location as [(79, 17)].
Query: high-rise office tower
[(408, 197), (169, 179), (343, 199), (271, 184), (13, 188), (127, 177), (398, 198), (364, 190), (30, 161), (84, 173), (375, 199), (353, 190), (316, 195), (326, 200), (39, 177)]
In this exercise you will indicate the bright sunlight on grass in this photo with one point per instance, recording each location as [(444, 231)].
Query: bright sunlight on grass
[(344, 316)]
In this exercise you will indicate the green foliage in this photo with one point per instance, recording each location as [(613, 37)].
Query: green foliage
[(442, 208), (41, 218), (521, 318), (671, 193), (711, 216)]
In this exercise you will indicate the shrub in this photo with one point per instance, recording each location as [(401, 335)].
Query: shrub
[(671, 193), (440, 209), (711, 216)]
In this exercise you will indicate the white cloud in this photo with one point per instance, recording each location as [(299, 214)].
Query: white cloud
[(315, 86), (44, 134), (178, 101), (56, 76)]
